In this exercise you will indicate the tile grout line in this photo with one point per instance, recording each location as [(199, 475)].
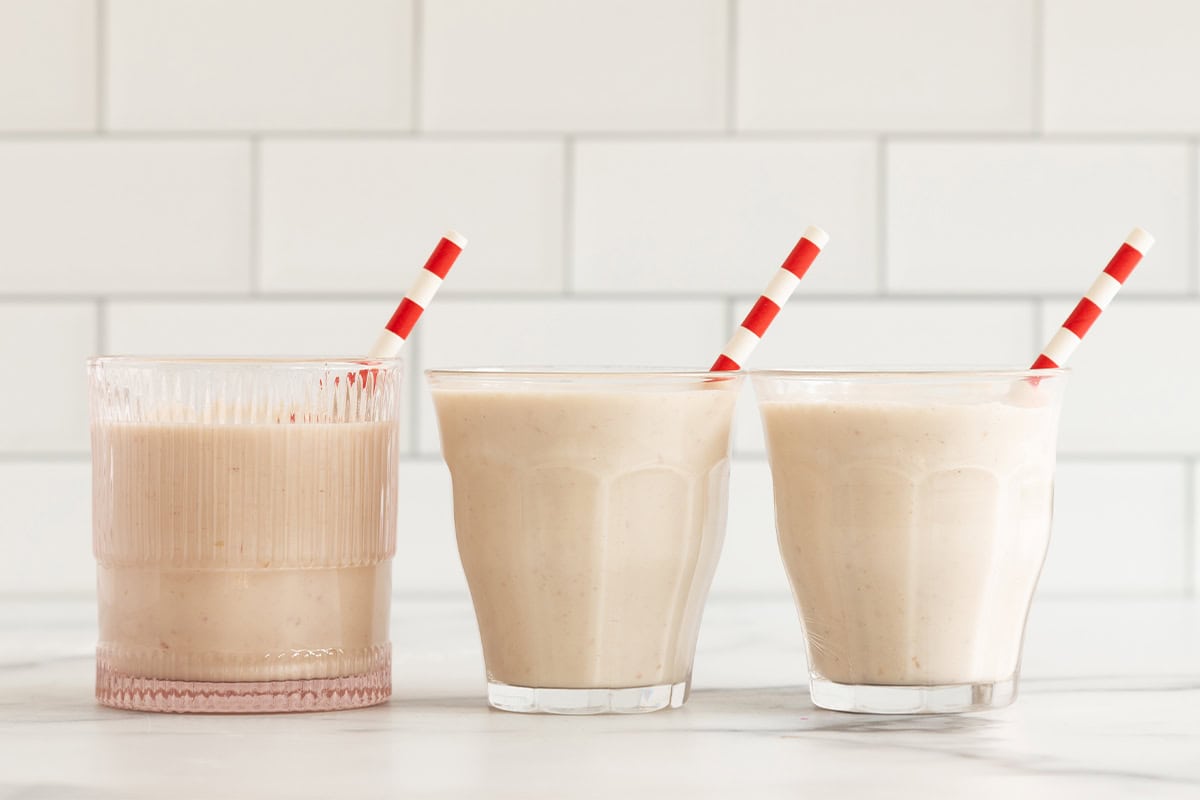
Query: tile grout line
[(1191, 547), (255, 231), (412, 369), (101, 85), (568, 220), (101, 326), (1038, 76), (795, 136), (417, 58), (731, 71), (1192, 205), (1039, 311), (520, 296), (881, 209), (45, 457)]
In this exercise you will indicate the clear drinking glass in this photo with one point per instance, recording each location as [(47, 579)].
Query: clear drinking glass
[(913, 512), (244, 517), (590, 511)]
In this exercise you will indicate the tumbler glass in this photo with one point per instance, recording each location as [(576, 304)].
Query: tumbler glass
[(590, 511), (244, 517), (913, 513)]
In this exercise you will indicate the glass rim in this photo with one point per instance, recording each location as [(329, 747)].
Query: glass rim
[(516, 373), (274, 362), (930, 374)]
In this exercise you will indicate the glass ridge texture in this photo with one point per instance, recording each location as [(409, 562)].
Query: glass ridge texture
[(244, 522), (590, 509), (913, 513)]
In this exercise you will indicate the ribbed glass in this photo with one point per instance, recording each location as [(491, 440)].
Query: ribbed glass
[(244, 517)]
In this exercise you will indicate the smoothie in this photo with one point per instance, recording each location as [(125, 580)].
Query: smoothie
[(244, 522), (589, 519), (913, 532), (244, 552)]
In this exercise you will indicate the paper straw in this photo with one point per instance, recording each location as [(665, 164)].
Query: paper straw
[(1105, 288), (751, 331), (391, 338)]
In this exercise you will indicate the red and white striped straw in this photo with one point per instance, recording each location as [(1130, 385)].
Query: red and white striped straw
[(751, 331), (1064, 342), (391, 338)]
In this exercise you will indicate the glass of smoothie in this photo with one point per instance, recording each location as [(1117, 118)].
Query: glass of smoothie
[(244, 518), (913, 511), (590, 510)]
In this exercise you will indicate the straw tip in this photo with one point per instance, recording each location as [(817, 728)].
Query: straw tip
[(817, 236), (455, 238), (1140, 239)]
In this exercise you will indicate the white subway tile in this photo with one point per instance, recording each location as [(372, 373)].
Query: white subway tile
[(43, 347), (364, 215), (124, 216), (1030, 217), (720, 216), (47, 541), (1120, 527), (255, 328), (269, 64), (882, 334), (549, 65), (426, 549), (246, 328), (1121, 65), (1135, 382), (460, 333), (47, 65), (882, 65), (750, 561)]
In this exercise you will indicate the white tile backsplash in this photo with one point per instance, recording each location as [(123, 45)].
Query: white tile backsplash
[(47, 65), (220, 176), (46, 544), (887, 334), (426, 550), (721, 215), (670, 333), (750, 561), (574, 65), (1121, 65), (266, 64), (882, 65), (246, 327), (345, 216), (1120, 527), (43, 347), (1135, 382), (1033, 217), (256, 328), (100, 216)]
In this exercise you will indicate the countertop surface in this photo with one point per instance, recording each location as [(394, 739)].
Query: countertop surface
[(1109, 707)]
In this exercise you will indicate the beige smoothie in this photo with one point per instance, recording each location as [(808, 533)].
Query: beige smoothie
[(589, 524), (244, 552), (913, 533)]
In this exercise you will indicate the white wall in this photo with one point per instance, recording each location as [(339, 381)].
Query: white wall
[(200, 176)]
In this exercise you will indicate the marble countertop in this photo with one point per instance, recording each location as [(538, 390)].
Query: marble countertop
[(1110, 707)]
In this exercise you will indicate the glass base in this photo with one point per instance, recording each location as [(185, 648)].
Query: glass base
[(119, 690), (635, 700), (945, 699)]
